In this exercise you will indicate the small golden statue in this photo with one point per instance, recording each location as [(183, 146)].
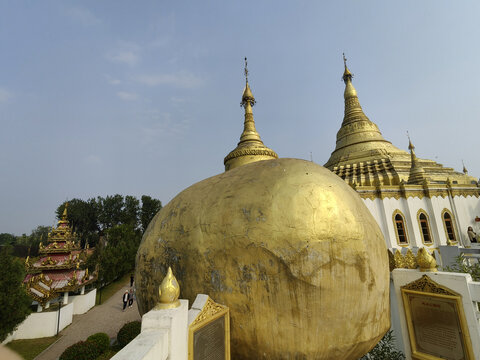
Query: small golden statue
[(426, 261), (169, 291)]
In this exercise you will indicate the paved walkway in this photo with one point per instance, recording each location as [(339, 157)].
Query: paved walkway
[(107, 318)]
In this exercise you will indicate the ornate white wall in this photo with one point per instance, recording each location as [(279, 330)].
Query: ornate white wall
[(463, 209)]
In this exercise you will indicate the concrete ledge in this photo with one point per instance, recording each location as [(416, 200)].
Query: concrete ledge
[(149, 345)]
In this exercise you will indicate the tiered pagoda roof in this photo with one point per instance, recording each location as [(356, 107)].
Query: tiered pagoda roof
[(377, 168), (57, 269)]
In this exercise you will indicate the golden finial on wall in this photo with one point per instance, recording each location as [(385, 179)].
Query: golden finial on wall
[(410, 261), (426, 261), (399, 260), (169, 291)]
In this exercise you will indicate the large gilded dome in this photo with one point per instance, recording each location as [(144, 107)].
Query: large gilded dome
[(288, 246)]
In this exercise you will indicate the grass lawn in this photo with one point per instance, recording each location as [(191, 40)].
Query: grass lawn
[(30, 348), (112, 288)]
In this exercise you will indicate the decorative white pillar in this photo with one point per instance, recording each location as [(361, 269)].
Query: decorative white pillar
[(39, 308), (65, 298), (82, 291), (47, 305)]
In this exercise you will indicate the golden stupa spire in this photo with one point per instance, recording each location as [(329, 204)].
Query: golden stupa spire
[(417, 173), (248, 101), (357, 133), (251, 147), (465, 171), (63, 218)]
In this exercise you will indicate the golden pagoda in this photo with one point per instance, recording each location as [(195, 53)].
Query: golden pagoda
[(288, 246), (57, 269), (375, 167), (251, 147)]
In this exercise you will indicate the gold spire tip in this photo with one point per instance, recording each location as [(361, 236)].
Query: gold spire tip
[(347, 75), (246, 70), (410, 145), (247, 97)]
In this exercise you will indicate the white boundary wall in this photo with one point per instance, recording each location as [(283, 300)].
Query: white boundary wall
[(83, 303), (164, 335), (44, 324)]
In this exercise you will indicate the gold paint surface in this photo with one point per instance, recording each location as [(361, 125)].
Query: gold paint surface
[(168, 292), (289, 247)]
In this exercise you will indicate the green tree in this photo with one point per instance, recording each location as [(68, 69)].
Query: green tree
[(118, 256), (131, 211), (7, 239), (110, 211), (15, 301), (150, 207)]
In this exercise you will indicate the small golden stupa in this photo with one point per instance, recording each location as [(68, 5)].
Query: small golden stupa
[(286, 244), (251, 147)]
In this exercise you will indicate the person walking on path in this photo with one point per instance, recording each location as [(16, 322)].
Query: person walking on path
[(130, 298), (107, 318), (125, 298)]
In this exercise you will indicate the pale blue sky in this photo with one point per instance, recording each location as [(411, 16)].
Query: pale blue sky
[(105, 97)]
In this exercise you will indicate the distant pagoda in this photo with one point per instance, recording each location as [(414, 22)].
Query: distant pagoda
[(57, 270)]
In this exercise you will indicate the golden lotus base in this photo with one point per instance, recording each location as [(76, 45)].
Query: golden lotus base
[(173, 305)]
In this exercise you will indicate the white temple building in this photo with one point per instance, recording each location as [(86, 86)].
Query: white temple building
[(416, 202)]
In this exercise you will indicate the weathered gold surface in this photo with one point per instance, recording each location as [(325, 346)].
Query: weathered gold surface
[(289, 247), (168, 292)]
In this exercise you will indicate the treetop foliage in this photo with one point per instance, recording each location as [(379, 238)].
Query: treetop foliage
[(102, 213), (15, 301)]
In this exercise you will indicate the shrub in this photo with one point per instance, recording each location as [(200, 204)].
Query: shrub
[(101, 340), (128, 332), (82, 350), (462, 265), (385, 349)]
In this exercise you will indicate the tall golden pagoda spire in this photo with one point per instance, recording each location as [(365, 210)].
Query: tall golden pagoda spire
[(417, 173), (251, 147), (358, 138), (63, 219)]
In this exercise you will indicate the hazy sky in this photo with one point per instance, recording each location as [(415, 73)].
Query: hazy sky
[(142, 97)]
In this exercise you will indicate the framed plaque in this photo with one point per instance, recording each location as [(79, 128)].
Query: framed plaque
[(436, 322), (209, 333)]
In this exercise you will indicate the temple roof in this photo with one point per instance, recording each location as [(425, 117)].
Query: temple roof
[(57, 269), (362, 155)]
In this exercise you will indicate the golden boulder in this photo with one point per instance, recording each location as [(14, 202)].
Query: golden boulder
[(288, 247)]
